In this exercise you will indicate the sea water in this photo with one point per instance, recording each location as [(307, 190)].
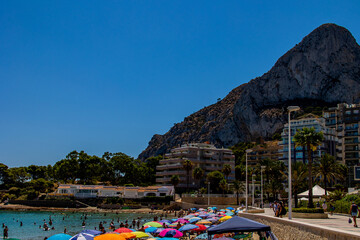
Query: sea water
[(32, 220)]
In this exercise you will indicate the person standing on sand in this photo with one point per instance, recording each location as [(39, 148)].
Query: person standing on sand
[(354, 209)]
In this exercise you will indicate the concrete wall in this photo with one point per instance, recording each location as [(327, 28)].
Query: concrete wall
[(213, 200), (286, 229)]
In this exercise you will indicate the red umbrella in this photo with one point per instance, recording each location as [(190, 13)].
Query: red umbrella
[(201, 228), (123, 230)]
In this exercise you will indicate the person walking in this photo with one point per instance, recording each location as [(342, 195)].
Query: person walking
[(354, 210)]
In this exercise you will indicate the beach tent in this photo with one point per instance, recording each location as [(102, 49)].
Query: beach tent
[(317, 192), (238, 224)]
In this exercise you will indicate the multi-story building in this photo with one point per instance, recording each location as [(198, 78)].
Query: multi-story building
[(299, 153), (345, 120), (203, 155), (267, 150)]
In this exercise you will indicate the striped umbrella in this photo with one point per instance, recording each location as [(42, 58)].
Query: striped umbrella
[(82, 236)]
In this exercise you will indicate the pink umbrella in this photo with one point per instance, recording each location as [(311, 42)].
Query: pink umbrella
[(181, 220), (168, 232)]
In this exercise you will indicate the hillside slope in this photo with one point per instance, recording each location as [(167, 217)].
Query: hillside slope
[(323, 69)]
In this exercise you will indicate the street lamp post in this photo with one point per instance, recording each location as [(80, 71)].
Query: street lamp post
[(262, 187), (246, 180), (209, 193), (290, 109), (253, 190)]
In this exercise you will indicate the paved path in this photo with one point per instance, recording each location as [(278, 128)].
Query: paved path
[(336, 222)]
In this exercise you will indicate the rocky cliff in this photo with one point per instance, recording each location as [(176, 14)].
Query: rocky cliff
[(324, 68)]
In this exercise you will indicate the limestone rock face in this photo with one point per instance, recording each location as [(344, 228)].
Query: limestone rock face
[(323, 68)]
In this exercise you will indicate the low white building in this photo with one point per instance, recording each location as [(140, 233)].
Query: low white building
[(94, 191)]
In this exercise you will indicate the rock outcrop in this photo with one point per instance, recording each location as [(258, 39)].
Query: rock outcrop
[(324, 68)]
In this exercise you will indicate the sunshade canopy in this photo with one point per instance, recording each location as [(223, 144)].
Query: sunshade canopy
[(238, 224), (317, 192)]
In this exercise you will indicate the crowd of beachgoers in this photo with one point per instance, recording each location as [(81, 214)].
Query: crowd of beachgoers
[(168, 225)]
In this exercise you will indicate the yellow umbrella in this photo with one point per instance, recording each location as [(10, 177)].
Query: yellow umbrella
[(204, 222), (223, 219), (109, 236), (140, 234)]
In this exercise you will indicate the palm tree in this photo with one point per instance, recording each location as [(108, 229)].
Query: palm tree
[(328, 170), (309, 138), (237, 187), (223, 185), (175, 180), (198, 174), (298, 176), (226, 171), (187, 165)]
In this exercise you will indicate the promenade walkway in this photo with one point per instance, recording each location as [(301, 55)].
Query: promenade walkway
[(334, 222)]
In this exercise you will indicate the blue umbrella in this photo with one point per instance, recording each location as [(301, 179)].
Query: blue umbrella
[(188, 227), (91, 232), (158, 230), (194, 219), (82, 236), (230, 208), (229, 213), (60, 236), (202, 236), (165, 221), (151, 229)]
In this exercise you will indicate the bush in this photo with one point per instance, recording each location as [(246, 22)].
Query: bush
[(308, 210)]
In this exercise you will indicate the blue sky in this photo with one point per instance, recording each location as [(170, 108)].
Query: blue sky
[(106, 75)]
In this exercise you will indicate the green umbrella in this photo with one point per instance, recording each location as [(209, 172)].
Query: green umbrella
[(152, 224)]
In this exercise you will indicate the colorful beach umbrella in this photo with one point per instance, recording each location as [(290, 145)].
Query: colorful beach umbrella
[(170, 233), (187, 227), (82, 236), (109, 236), (123, 230), (153, 224), (223, 219), (140, 234), (200, 228), (194, 219), (181, 220), (165, 221), (150, 229), (204, 222), (127, 235), (91, 232), (60, 236)]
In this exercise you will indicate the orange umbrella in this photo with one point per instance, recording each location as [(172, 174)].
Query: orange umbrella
[(127, 235), (109, 236)]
